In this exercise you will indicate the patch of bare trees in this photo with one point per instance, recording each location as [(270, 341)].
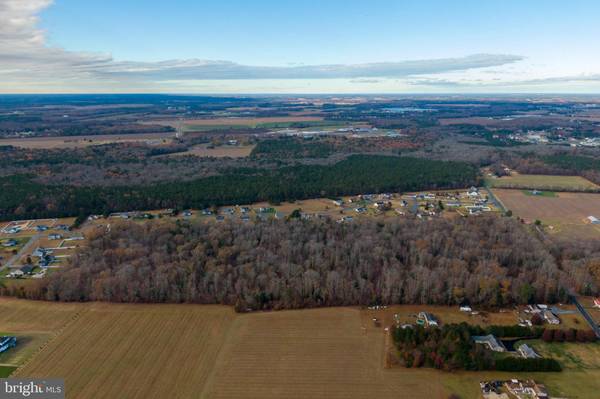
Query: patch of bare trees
[(306, 263)]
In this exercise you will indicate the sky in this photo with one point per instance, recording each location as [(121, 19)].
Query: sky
[(309, 46)]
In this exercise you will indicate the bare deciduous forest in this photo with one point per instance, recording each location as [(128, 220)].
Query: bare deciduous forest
[(307, 263)]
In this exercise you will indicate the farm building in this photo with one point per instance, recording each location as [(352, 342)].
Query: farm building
[(490, 341), (7, 342), (593, 220), (465, 308)]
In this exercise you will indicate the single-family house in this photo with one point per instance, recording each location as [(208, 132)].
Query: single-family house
[(490, 341), (338, 202), (27, 269), (427, 319), (526, 389), (54, 236), (16, 274), (7, 342), (9, 243), (593, 220), (527, 352), (550, 317)]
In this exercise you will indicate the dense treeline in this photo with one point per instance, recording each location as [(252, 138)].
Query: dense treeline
[(569, 335), (573, 162), (559, 164), (305, 263), (20, 197), (451, 347)]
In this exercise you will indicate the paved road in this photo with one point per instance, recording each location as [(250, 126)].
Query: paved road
[(495, 200), (586, 316), (32, 241)]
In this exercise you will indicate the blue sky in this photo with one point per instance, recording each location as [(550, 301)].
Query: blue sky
[(290, 46)]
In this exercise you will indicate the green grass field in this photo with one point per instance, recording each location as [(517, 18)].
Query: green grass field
[(544, 182), (579, 379), (6, 371)]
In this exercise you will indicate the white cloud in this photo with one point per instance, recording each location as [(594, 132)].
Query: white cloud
[(29, 64)]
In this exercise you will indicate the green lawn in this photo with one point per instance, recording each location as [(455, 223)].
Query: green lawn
[(6, 371), (580, 378), (543, 182)]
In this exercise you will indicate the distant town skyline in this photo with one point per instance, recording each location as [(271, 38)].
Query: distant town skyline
[(268, 46)]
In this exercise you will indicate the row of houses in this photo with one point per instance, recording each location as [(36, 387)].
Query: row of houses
[(494, 344)]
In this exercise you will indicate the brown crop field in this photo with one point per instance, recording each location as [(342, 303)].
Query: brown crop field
[(206, 351), (566, 212), (136, 351)]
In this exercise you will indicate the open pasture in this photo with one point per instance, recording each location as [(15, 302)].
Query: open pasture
[(544, 182), (567, 212)]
